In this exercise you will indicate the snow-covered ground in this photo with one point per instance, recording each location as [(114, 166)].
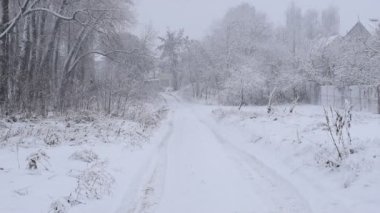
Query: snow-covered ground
[(201, 159), (297, 146), (84, 162)]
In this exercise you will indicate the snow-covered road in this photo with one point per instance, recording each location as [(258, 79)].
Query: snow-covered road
[(201, 159), (196, 170)]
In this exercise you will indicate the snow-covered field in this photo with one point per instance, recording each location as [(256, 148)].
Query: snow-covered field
[(297, 147), (84, 162), (200, 159)]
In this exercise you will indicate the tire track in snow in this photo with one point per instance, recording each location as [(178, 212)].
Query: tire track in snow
[(150, 194), (145, 190), (151, 189), (284, 196)]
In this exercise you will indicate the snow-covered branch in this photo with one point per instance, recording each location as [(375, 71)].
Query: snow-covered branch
[(25, 10), (60, 16)]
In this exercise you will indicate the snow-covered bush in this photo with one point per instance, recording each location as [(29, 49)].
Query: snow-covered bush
[(147, 116), (152, 119), (86, 155), (52, 139), (94, 183), (59, 206), (37, 160)]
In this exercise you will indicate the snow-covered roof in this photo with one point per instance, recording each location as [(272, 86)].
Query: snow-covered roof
[(359, 31)]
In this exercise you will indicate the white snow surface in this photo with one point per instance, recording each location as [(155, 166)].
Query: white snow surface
[(202, 159)]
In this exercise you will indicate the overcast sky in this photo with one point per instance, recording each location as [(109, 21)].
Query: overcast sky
[(196, 16)]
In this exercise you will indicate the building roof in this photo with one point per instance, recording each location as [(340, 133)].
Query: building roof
[(359, 31)]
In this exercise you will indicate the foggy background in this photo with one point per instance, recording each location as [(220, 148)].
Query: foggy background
[(196, 16)]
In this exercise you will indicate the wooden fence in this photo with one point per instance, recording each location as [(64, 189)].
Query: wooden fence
[(362, 98)]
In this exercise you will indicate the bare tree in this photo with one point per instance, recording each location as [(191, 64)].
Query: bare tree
[(172, 45), (52, 51)]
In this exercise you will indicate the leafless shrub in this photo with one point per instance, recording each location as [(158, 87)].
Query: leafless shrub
[(51, 139), (37, 160), (10, 133), (87, 156), (94, 183), (338, 124), (147, 118)]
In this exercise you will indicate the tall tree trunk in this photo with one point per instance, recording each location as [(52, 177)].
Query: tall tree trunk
[(44, 72), (21, 77), (66, 67), (72, 56), (55, 76), (4, 59), (32, 69), (47, 56)]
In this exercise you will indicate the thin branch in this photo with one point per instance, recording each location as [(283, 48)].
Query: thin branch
[(67, 18), (25, 10), (330, 130), (97, 53), (14, 21)]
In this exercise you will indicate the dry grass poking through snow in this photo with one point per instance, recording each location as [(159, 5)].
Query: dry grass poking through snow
[(54, 164), (303, 140)]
